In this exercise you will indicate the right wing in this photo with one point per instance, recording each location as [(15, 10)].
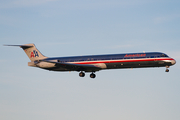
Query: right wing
[(75, 67)]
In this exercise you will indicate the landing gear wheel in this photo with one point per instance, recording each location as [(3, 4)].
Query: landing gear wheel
[(167, 70), (92, 75), (81, 74)]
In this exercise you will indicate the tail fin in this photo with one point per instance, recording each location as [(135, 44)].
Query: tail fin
[(31, 51)]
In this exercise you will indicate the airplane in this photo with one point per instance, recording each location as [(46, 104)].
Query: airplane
[(94, 63)]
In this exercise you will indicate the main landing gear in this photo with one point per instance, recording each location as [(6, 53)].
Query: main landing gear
[(82, 74), (167, 70), (92, 75)]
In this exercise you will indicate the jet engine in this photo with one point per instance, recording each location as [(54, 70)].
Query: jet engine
[(45, 65), (41, 64)]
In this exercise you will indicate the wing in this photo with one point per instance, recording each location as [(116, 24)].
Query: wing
[(75, 67)]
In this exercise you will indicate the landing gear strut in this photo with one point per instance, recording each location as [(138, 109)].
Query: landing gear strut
[(81, 74), (92, 75), (167, 70)]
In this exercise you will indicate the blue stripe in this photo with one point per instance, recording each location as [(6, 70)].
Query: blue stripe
[(107, 57)]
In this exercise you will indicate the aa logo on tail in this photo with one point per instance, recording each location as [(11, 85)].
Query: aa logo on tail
[(34, 54)]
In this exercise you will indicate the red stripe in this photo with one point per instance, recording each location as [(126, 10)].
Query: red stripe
[(121, 61)]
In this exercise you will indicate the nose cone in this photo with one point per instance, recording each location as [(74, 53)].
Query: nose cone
[(173, 62)]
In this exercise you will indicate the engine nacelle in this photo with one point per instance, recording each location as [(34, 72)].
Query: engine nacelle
[(32, 64), (45, 65)]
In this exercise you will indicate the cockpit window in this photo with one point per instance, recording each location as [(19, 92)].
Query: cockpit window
[(164, 55)]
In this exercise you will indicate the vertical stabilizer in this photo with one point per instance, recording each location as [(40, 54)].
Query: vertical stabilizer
[(32, 52)]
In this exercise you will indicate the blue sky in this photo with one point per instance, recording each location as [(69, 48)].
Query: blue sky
[(89, 27)]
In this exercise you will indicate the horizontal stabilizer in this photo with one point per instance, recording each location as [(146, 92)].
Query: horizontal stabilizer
[(22, 46)]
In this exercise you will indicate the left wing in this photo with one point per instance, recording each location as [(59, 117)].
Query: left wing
[(75, 67)]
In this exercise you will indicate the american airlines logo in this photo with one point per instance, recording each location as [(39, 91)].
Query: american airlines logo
[(135, 55), (34, 54)]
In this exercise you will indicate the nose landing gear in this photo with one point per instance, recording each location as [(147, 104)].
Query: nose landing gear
[(167, 70)]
